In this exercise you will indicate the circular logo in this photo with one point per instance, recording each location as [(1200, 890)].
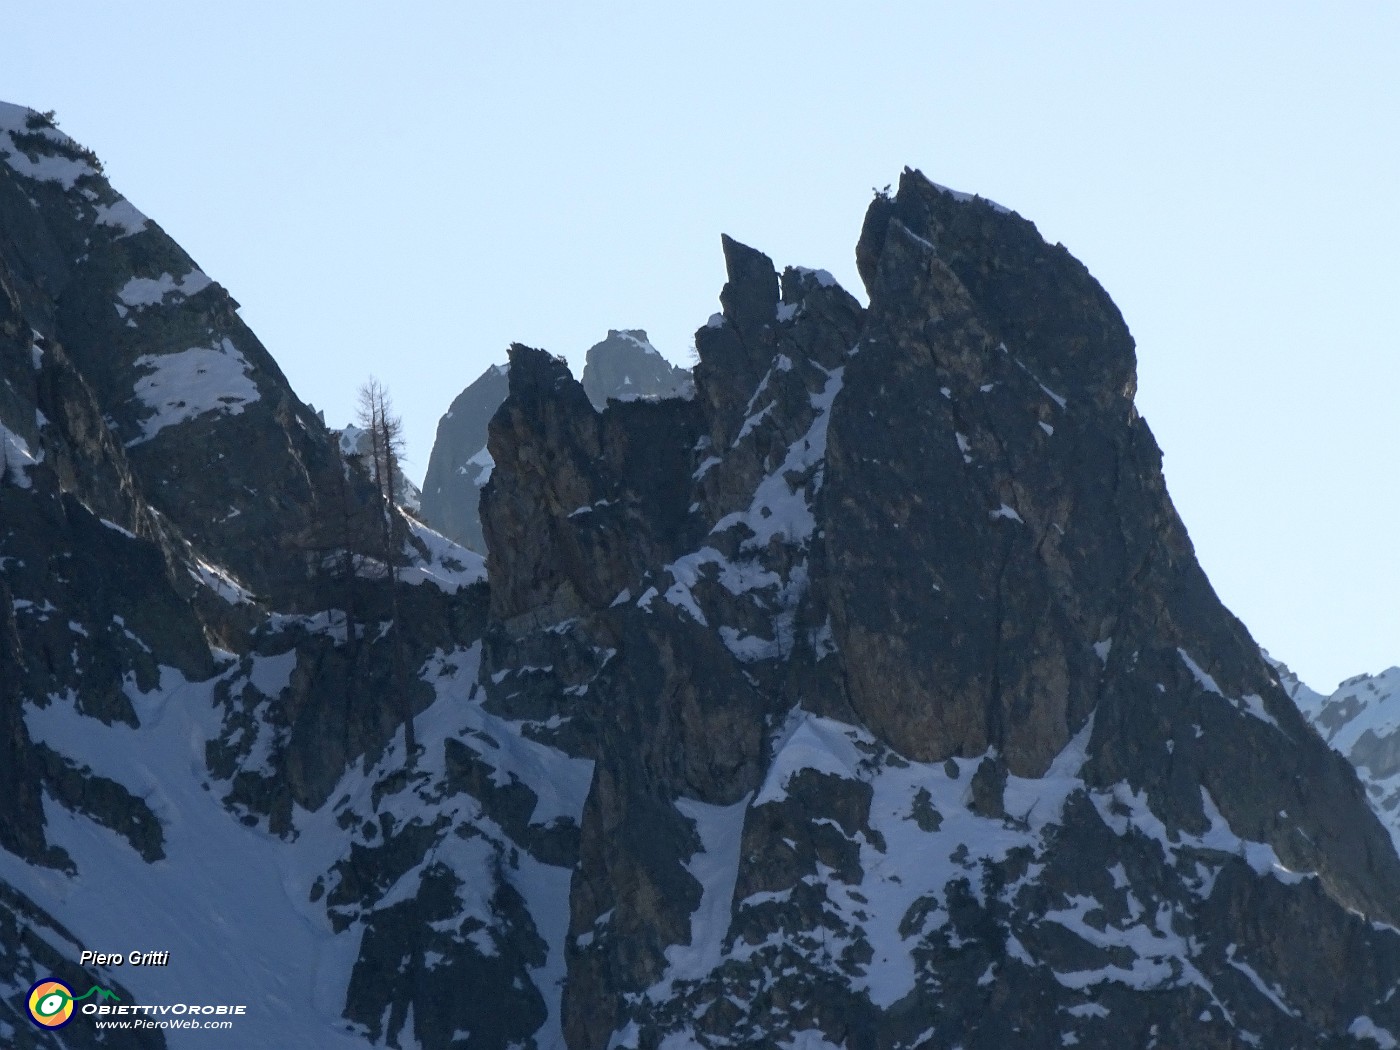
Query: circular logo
[(50, 1004)]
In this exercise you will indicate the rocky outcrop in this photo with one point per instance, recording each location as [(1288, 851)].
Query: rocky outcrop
[(623, 367), (979, 755)]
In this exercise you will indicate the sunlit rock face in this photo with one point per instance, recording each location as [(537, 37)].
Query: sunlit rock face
[(859, 690)]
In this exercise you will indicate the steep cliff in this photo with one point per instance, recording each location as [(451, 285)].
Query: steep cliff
[(915, 717), (174, 524)]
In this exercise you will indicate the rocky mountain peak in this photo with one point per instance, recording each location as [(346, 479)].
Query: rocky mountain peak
[(901, 520), (750, 295), (1005, 266), (211, 433), (625, 366), (869, 697)]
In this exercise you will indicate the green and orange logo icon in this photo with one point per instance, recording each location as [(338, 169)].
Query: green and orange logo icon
[(51, 1002)]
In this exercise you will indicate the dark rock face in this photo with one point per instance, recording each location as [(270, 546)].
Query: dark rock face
[(869, 695), (623, 367), (928, 574), (1014, 376), (162, 490), (1361, 721), (145, 358)]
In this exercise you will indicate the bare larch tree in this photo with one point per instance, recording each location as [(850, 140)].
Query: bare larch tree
[(385, 430)]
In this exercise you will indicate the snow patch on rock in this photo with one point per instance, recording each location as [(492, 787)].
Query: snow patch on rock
[(182, 386), (142, 292)]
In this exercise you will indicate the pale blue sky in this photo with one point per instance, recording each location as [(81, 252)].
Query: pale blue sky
[(404, 189)]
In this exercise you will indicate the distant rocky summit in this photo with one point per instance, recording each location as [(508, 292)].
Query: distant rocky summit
[(623, 367), (1361, 720), (866, 695), (356, 443)]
